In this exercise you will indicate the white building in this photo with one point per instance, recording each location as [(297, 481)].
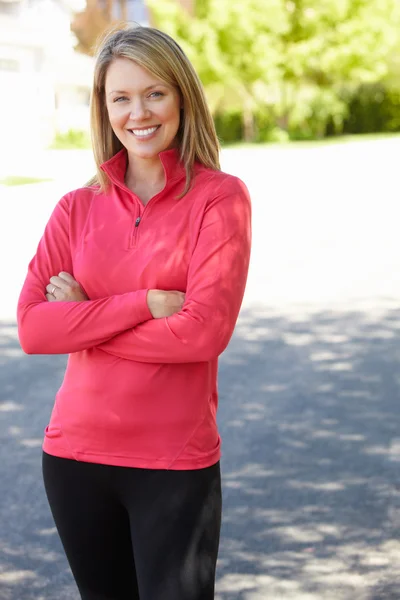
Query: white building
[(44, 83)]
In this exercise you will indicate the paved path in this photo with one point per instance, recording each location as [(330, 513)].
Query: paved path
[(309, 385)]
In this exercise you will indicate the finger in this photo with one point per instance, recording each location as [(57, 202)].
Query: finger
[(50, 298), (51, 289), (67, 277), (178, 295), (59, 282)]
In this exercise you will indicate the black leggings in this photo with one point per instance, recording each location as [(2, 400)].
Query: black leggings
[(136, 534)]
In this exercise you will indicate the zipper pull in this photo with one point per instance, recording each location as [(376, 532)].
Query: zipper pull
[(137, 222)]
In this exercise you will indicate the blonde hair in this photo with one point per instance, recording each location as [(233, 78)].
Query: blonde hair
[(157, 52)]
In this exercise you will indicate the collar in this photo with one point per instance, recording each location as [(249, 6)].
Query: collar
[(174, 168)]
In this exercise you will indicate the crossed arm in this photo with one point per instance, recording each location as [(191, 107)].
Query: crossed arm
[(124, 325)]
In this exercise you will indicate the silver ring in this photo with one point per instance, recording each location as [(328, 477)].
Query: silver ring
[(53, 290)]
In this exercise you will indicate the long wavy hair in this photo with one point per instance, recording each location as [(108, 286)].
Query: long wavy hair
[(157, 52)]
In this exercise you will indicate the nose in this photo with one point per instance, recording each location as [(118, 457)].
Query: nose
[(139, 110)]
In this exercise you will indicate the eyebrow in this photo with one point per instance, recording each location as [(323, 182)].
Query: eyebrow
[(154, 85)]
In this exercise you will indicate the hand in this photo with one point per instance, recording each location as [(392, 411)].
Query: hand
[(164, 304), (64, 288)]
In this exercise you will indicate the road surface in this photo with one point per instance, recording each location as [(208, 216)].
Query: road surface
[(309, 386)]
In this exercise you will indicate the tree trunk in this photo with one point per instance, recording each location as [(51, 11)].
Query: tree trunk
[(124, 9), (109, 9), (283, 118), (248, 124)]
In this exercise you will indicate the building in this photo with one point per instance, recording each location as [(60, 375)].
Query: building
[(45, 82)]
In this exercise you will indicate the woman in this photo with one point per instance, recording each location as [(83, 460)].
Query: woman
[(139, 277)]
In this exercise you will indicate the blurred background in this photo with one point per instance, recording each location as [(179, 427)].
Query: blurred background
[(306, 100), (274, 70)]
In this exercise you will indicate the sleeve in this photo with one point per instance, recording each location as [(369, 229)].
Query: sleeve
[(64, 327), (215, 288)]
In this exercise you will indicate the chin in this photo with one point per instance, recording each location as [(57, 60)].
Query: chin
[(149, 152)]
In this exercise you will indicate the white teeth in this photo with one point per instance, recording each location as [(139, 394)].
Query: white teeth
[(144, 132)]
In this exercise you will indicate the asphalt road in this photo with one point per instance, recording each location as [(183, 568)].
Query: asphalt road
[(309, 386)]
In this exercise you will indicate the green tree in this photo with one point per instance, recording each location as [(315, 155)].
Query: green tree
[(232, 45), (294, 57), (332, 46)]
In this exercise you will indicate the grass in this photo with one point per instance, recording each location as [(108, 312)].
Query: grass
[(343, 139), (73, 139), (21, 180)]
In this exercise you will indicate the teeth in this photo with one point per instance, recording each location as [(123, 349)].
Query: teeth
[(144, 132)]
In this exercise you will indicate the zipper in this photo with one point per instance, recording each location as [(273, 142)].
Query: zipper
[(138, 220), (133, 240)]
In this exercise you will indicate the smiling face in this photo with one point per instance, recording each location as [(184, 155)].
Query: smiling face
[(144, 111)]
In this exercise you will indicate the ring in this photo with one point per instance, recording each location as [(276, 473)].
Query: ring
[(53, 290)]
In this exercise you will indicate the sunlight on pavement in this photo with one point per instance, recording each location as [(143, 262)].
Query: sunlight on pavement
[(315, 344), (324, 220)]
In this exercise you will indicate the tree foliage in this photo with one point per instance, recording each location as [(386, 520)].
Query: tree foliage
[(293, 57)]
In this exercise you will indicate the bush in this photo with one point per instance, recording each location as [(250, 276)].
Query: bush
[(373, 109), (266, 128), (275, 135), (229, 127)]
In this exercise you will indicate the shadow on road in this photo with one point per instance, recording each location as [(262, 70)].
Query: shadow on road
[(30, 553), (311, 449)]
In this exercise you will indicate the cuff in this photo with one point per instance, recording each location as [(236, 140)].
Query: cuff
[(143, 313)]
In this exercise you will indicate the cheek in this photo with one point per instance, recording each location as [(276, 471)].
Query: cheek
[(172, 114), (167, 110), (116, 117)]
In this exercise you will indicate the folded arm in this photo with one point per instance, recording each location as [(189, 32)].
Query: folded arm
[(216, 282), (64, 327)]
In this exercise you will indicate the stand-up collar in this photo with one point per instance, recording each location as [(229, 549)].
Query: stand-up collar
[(174, 169)]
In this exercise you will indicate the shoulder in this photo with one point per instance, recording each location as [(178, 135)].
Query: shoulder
[(79, 197), (218, 184), (74, 207), (83, 193)]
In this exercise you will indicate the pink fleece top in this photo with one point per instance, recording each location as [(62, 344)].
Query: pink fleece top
[(138, 391)]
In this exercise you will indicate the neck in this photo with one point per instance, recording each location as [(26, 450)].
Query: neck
[(140, 171)]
